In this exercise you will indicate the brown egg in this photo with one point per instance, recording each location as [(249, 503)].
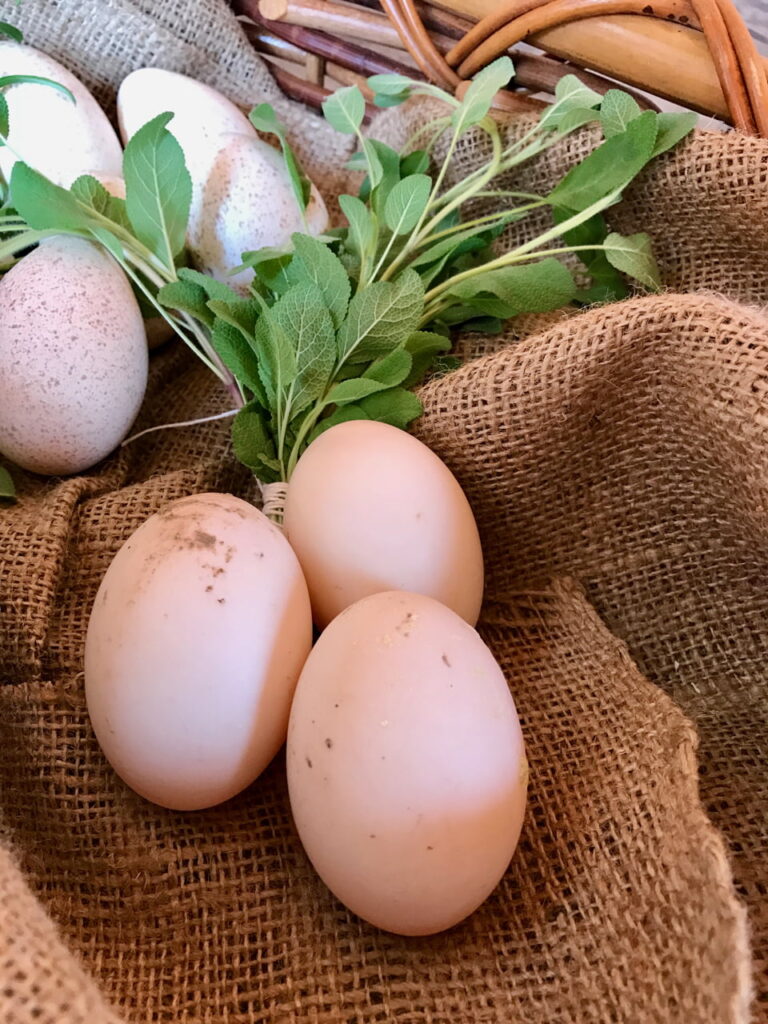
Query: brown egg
[(406, 765), (371, 508)]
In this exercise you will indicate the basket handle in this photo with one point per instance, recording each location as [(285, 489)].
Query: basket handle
[(739, 67)]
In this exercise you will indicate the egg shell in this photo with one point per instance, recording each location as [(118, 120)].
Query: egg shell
[(55, 136), (406, 764), (371, 508), (73, 357), (247, 202), (241, 193), (197, 636)]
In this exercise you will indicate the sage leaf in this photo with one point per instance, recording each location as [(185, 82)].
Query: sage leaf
[(89, 191), (11, 31), (238, 355), (524, 287), (617, 110), (158, 189), (213, 289), (423, 347), (391, 369), (253, 445), (672, 128), (344, 110), (313, 261), (8, 80), (187, 297), (390, 85), (264, 119), (240, 313), (633, 255), (341, 414), (380, 318), (353, 390), (479, 96), (45, 206), (396, 406), (609, 167), (304, 323), (4, 119), (7, 489), (406, 203), (570, 94), (362, 227), (416, 162)]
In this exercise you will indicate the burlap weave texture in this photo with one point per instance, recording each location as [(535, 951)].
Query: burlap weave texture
[(616, 461)]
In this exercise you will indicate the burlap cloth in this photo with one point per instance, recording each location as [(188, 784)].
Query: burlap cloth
[(617, 462)]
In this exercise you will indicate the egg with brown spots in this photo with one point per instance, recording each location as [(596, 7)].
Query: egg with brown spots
[(73, 357), (196, 639), (242, 197), (406, 764)]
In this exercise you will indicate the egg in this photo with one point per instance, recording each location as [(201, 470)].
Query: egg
[(247, 202), (73, 357), (406, 764), (197, 636), (55, 136), (241, 193), (371, 508)]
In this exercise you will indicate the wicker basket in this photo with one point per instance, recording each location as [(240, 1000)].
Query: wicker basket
[(698, 53)]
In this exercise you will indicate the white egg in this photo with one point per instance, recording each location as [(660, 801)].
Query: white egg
[(371, 508), (247, 202), (241, 193), (406, 764), (197, 637), (55, 136), (73, 357)]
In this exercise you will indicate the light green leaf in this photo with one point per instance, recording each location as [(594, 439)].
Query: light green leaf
[(276, 356), (45, 206), (240, 313), (671, 129), (406, 203), (253, 444), (375, 169), (577, 118), (570, 94), (313, 261), (305, 324), (158, 189), (479, 96), (362, 227), (617, 110), (264, 119), (395, 406), (89, 191), (523, 287), (633, 255), (390, 85), (7, 489), (391, 369), (381, 317), (213, 289), (608, 168), (353, 390), (344, 110), (4, 119), (188, 297), (456, 241)]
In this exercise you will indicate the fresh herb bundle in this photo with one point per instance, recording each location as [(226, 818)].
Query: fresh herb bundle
[(342, 326)]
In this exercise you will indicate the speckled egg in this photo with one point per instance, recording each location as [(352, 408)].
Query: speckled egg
[(241, 193), (247, 202), (73, 357), (57, 137)]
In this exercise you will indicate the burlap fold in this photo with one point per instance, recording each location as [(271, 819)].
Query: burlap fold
[(616, 461)]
